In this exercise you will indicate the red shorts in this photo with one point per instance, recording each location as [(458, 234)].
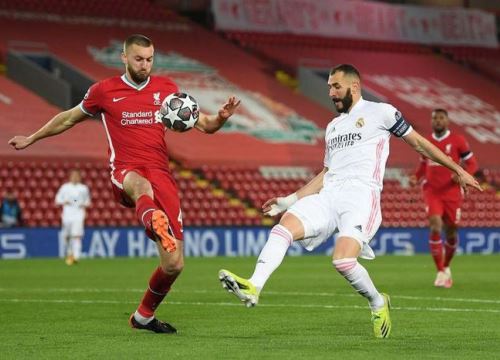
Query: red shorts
[(165, 192), (445, 207)]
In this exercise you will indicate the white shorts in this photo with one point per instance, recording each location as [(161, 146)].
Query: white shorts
[(350, 208), (72, 228)]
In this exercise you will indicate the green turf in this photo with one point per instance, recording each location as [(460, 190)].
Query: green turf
[(51, 311)]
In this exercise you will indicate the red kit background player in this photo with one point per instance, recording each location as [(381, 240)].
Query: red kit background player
[(442, 194), (140, 175)]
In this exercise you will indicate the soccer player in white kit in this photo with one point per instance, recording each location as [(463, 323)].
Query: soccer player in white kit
[(344, 198), (74, 197)]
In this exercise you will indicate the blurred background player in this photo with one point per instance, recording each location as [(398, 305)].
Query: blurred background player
[(344, 198), (442, 193), (74, 197), (10, 211), (140, 173)]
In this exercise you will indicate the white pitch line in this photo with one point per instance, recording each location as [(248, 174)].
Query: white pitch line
[(198, 303), (279, 293), (406, 297)]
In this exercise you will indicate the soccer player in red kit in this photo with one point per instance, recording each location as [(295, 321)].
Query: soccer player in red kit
[(140, 175), (443, 195)]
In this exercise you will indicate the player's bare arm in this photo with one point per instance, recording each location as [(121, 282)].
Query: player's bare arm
[(277, 205), (427, 149), (58, 124), (211, 123)]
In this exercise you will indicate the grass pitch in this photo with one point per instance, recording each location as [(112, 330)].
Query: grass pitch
[(307, 311)]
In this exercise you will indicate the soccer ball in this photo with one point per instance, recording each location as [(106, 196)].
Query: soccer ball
[(179, 112)]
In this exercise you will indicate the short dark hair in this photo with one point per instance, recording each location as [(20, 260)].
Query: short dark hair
[(441, 111), (347, 69), (137, 39)]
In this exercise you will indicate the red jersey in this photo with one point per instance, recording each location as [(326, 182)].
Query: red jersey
[(127, 110), (438, 178)]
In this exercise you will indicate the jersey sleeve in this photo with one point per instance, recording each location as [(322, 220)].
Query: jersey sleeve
[(91, 103), (467, 156), (394, 122), (463, 148)]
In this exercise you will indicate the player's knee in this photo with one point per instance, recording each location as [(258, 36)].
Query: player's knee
[(293, 225), (435, 224), (173, 267), (346, 247), (135, 186)]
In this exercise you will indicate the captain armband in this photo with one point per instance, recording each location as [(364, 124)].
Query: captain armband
[(401, 127)]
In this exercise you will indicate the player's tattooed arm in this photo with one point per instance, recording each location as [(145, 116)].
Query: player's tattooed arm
[(211, 123), (58, 124), (427, 149)]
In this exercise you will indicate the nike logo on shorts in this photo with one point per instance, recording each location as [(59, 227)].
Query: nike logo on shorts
[(118, 99)]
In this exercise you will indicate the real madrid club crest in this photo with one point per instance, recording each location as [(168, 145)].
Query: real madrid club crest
[(360, 123)]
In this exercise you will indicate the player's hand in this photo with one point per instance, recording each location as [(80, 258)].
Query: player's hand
[(467, 180), (229, 108), (277, 205), (269, 206), (20, 142)]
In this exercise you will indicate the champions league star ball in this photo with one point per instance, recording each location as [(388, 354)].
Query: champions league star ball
[(179, 112)]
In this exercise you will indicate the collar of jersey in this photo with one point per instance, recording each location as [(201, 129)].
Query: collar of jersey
[(357, 105), (445, 135), (135, 86)]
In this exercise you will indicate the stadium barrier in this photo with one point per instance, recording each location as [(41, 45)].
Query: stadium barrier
[(32, 72), (20, 243)]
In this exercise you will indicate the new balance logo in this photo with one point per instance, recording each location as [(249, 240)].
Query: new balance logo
[(118, 99), (359, 228)]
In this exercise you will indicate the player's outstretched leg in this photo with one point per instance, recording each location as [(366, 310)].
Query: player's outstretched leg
[(270, 257), (154, 325), (381, 319), (240, 287)]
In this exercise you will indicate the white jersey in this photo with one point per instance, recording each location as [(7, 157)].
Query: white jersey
[(357, 142), (74, 198)]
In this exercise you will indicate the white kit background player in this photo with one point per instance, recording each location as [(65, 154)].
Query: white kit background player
[(344, 198), (74, 197)]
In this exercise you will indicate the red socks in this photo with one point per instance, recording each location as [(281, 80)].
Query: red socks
[(436, 247), (144, 207), (449, 250), (159, 285)]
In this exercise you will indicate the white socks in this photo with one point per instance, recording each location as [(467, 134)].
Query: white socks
[(141, 319), (76, 246), (360, 280), (271, 255)]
